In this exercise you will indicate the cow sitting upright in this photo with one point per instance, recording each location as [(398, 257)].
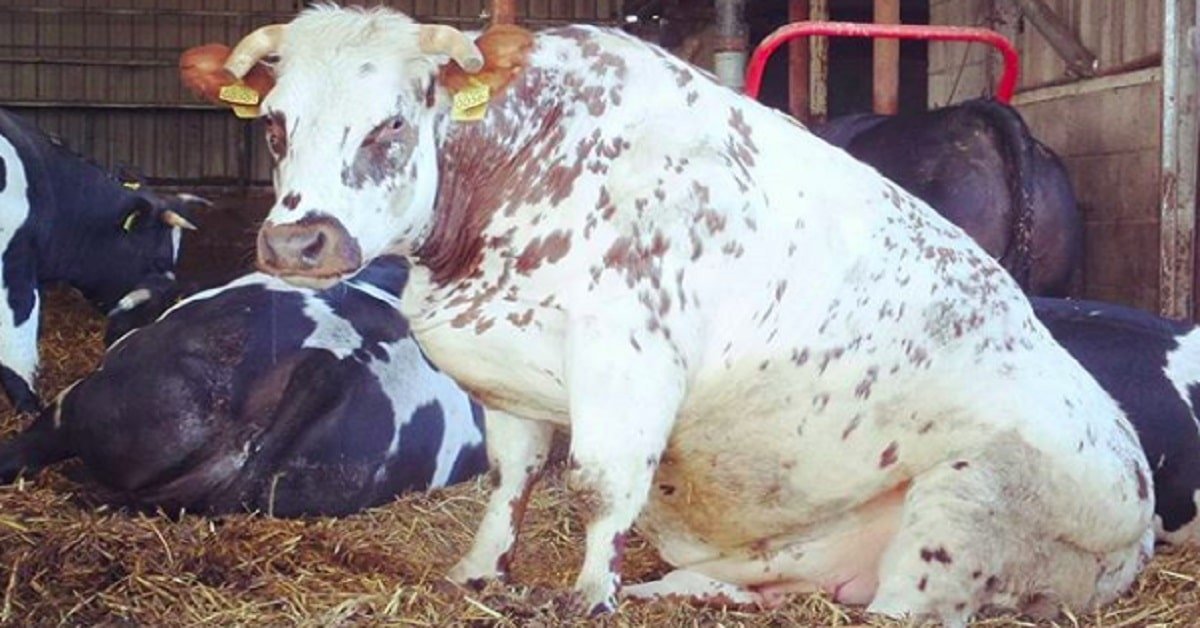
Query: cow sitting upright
[(978, 165), (258, 395), (791, 372), (64, 219)]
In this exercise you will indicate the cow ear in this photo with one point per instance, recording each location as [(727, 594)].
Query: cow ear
[(505, 49), (136, 215), (202, 70)]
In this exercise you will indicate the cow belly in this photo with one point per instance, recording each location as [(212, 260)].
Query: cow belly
[(839, 555), (732, 492)]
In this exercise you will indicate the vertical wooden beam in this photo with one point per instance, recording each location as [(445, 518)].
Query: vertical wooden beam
[(818, 82), (798, 61), (730, 55), (1180, 145), (886, 92), (504, 12)]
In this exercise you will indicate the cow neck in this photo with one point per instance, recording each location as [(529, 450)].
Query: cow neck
[(485, 166), (85, 198), (82, 228)]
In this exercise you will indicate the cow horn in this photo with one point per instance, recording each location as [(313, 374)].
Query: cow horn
[(447, 40), (193, 199), (172, 218), (253, 48), (131, 301)]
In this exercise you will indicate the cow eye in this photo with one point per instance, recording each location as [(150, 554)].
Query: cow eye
[(276, 135), (389, 131)]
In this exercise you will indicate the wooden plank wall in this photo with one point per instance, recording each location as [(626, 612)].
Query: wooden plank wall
[(1105, 129), (102, 74), (1124, 35)]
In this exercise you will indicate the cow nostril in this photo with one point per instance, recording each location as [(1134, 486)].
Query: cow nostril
[(311, 253), (312, 246)]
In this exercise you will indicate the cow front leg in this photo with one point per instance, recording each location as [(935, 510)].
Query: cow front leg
[(517, 449), (19, 352), (624, 393)]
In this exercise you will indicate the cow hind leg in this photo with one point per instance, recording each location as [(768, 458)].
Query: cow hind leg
[(19, 357), (984, 532)]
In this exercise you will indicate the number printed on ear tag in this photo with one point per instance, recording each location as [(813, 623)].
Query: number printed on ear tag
[(470, 103), (238, 94)]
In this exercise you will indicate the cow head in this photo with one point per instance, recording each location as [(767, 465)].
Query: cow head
[(137, 236), (350, 123)]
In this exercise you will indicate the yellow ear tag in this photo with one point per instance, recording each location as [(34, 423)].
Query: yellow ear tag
[(470, 103), (244, 112), (132, 185), (241, 98)]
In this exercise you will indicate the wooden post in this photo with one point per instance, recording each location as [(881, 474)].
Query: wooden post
[(818, 80), (1180, 144), (798, 60), (886, 93), (504, 12)]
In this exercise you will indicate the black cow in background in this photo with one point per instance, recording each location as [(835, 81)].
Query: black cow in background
[(1151, 366), (977, 164), (262, 396), (65, 219)]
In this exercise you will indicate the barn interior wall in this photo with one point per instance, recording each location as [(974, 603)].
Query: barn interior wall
[(102, 75), (1106, 129)]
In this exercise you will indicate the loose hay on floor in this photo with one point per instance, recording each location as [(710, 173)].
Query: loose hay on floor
[(66, 559)]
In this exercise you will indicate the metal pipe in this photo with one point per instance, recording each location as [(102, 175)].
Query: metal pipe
[(783, 34), (1080, 61), (731, 45), (885, 94), (798, 61), (1180, 144)]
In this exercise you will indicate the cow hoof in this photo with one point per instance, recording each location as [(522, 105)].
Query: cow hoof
[(478, 583), (594, 602)]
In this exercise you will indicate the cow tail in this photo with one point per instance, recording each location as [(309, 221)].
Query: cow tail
[(1017, 144)]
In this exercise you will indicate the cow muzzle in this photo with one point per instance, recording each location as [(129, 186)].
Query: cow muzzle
[(315, 250)]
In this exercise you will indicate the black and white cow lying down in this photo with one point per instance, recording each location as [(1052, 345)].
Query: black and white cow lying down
[(262, 396), (1151, 366), (65, 219)]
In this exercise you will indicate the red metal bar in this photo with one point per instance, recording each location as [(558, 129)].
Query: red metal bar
[(1004, 90)]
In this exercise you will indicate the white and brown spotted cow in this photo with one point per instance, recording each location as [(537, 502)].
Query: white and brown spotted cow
[(791, 373)]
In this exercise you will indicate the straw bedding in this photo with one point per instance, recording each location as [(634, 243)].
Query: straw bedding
[(65, 558)]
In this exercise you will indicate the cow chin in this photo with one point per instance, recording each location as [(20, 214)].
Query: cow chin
[(312, 282)]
